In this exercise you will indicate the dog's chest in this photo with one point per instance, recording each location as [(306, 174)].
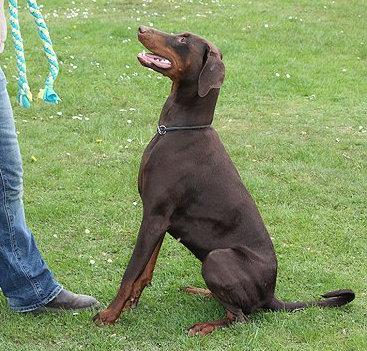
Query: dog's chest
[(144, 162)]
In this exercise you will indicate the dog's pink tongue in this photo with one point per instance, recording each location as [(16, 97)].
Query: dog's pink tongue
[(155, 60)]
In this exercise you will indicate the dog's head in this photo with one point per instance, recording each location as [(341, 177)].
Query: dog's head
[(185, 58)]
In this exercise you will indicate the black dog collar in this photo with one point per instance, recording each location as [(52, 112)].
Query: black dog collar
[(162, 129)]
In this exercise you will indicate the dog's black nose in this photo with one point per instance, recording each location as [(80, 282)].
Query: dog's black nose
[(143, 29)]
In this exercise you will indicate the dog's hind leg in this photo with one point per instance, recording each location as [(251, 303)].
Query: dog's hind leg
[(238, 279)]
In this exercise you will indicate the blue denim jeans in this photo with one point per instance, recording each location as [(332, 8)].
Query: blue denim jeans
[(25, 278)]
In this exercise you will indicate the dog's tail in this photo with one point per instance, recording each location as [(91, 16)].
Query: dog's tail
[(335, 298)]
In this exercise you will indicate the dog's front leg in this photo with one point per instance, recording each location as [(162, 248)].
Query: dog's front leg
[(141, 266), (144, 279)]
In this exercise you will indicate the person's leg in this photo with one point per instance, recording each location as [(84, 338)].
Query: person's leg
[(25, 279)]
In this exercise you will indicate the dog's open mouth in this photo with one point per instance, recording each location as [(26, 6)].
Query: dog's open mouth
[(149, 59)]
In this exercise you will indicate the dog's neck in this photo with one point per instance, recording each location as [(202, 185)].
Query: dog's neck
[(184, 107)]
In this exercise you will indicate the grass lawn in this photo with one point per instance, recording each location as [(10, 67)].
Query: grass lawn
[(293, 116)]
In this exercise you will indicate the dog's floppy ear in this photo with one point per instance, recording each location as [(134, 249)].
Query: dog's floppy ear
[(212, 74)]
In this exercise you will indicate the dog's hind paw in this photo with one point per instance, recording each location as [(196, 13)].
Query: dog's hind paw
[(202, 329), (197, 291)]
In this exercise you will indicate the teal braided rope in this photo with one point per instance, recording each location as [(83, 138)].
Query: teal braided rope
[(24, 96), (48, 94)]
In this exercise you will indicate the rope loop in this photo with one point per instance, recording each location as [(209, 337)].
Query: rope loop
[(48, 93)]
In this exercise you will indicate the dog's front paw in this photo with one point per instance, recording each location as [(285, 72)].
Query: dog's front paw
[(105, 317)]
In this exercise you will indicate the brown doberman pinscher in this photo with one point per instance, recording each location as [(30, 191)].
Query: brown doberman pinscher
[(191, 189)]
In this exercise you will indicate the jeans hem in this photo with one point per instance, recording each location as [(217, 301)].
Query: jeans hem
[(44, 302)]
